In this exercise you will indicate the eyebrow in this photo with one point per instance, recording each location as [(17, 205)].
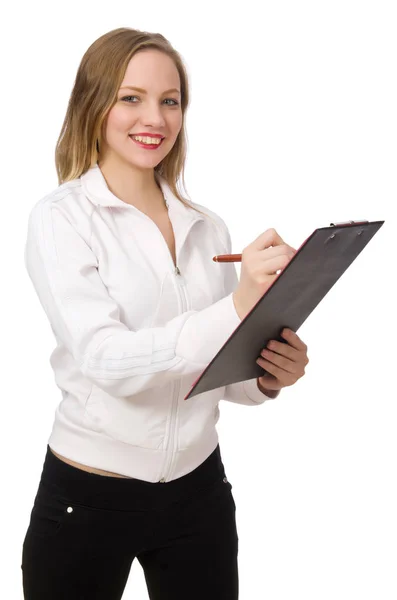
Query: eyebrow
[(142, 91)]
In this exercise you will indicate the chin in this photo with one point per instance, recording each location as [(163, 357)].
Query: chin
[(144, 164)]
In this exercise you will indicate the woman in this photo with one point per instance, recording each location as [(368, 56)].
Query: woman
[(123, 267)]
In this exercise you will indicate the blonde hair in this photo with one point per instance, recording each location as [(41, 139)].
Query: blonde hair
[(99, 76)]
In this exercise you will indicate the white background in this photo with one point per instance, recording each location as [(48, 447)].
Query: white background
[(292, 125)]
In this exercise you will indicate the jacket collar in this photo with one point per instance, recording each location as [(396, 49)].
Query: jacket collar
[(95, 188)]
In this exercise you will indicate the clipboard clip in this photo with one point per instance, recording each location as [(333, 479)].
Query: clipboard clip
[(346, 223)]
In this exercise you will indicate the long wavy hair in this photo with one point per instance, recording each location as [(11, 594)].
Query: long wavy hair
[(99, 76)]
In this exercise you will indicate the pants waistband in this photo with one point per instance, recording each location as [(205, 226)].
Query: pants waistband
[(117, 493)]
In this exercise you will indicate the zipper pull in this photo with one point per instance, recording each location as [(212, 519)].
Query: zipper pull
[(177, 271)]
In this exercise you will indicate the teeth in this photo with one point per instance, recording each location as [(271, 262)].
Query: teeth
[(146, 140)]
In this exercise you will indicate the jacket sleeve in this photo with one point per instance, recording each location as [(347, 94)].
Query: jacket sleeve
[(243, 392), (122, 362)]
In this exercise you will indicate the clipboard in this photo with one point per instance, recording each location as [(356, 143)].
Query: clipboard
[(314, 269)]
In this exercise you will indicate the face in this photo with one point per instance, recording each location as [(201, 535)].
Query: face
[(143, 125)]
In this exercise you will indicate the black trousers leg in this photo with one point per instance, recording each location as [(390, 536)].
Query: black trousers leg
[(196, 554), (74, 552)]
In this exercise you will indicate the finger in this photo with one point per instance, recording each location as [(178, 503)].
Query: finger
[(269, 238), (274, 264), (280, 374), (293, 339), (280, 361), (285, 350), (277, 251)]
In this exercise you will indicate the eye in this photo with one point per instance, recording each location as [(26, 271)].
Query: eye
[(128, 99), (174, 102)]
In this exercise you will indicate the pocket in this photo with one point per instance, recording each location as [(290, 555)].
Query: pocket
[(222, 491), (229, 488), (48, 513), (139, 420)]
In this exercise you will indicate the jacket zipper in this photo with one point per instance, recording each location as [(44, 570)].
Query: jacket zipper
[(171, 441)]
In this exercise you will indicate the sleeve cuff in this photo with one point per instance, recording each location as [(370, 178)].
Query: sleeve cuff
[(254, 393)]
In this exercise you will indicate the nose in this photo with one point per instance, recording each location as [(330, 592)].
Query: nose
[(152, 115)]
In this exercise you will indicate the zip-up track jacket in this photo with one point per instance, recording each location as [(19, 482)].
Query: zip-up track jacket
[(132, 331)]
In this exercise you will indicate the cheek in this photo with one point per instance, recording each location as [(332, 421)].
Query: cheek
[(119, 121), (175, 124)]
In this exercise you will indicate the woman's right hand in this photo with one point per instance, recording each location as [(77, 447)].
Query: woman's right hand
[(259, 265)]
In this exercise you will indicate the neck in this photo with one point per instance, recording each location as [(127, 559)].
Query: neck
[(137, 187)]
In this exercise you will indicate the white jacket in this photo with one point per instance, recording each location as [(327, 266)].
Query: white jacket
[(133, 333)]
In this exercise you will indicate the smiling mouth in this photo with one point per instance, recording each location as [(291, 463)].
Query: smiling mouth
[(146, 141)]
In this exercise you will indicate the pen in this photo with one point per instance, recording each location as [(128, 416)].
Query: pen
[(227, 258)]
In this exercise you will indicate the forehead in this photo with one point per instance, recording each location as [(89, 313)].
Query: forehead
[(151, 69)]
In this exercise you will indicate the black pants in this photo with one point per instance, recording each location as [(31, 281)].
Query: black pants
[(86, 529)]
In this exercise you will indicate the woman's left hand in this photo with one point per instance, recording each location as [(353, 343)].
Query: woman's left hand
[(285, 363)]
